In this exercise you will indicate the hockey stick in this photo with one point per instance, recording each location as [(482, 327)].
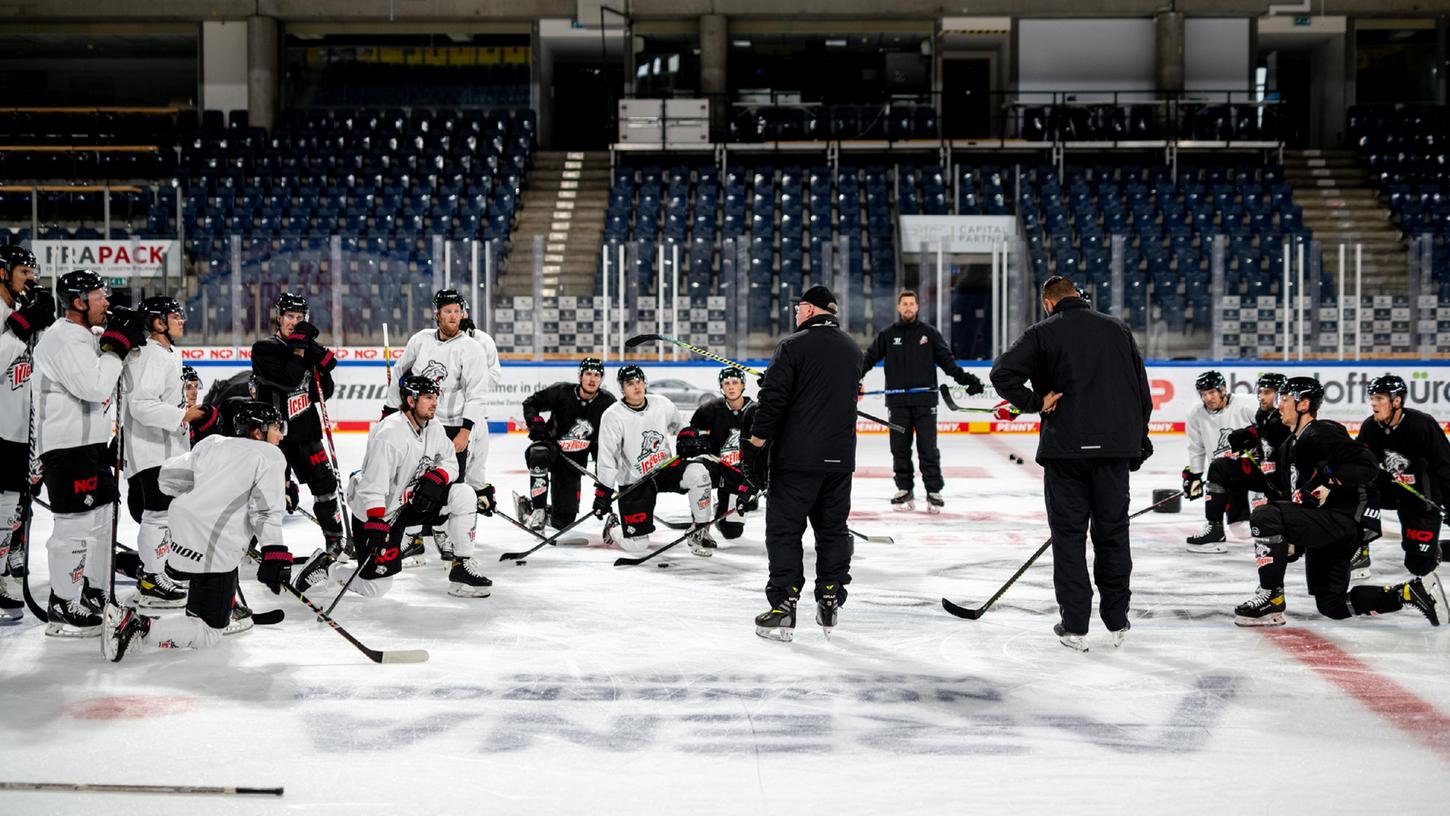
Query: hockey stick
[(271, 617), (1421, 496), (973, 614), (641, 339), (514, 556), (633, 562), (950, 400), (375, 655), (890, 391), (387, 355), (68, 787), (361, 565), (332, 451), (116, 504), (27, 512)]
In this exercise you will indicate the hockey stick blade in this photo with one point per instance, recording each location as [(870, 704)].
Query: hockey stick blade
[(641, 339), (951, 402), (405, 656), (961, 611), (634, 562), (68, 787), (375, 655), (271, 617), (874, 539)]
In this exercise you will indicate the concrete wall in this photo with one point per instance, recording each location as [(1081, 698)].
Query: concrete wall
[(224, 65), (1217, 54)]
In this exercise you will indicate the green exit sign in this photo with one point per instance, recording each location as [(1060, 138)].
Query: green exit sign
[(118, 281), (1301, 21)]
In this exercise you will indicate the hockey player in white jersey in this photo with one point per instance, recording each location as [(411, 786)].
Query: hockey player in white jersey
[(25, 311), (490, 348), (156, 425), (228, 491), (1218, 414), (75, 386), (409, 477), (634, 438)]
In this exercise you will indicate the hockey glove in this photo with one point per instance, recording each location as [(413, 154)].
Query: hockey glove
[(690, 442), (467, 326), (275, 568), (1244, 439), (1004, 412), (319, 357), (292, 497), (486, 501), (754, 467), (125, 330), (538, 429), (302, 334), (1192, 484), (970, 381), (1144, 453), (207, 425), (429, 493), (603, 501), (35, 316)]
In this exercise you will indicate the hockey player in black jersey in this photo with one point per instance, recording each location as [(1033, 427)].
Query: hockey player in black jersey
[(1230, 478), (721, 422), (1413, 453), (289, 368), (563, 421), (1333, 507)]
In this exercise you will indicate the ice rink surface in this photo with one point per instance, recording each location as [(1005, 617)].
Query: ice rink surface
[(582, 687)]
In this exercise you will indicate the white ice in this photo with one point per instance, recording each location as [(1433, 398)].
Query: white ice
[(582, 687)]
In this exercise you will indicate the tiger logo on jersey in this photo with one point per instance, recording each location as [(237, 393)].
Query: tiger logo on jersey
[(1223, 446), (652, 451), (19, 373), (424, 465), (576, 439), (1398, 466), (730, 451), (435, 371)]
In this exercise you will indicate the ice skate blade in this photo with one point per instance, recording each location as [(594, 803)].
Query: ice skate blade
[(782, 633), (904, 507), (415, 561), (9, 616), (147, 602), (1077, 643), (65, 630), (826, 630), (469, 591), (1275, 619), (700, 551), (933, 510), (1207, 549)]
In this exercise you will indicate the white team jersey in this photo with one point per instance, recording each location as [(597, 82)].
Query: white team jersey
[(75, 383), (461, 370), (15, 391), (228, 490), (490, 356), (396, 456), (631, 442), (1208, 430), (154, 405)]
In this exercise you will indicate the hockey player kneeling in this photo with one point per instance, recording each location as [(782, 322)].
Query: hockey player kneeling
[(228, 491), (409, 477)]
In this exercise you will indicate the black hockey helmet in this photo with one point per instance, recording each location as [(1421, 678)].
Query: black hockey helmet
[(1272, 381), (631, 372), (12, 256), (290, 302), (256, 415), (414, 385), (731, 372), (443, 297), (1305, 388), (591, 364), (189, 375), (1391, 385), (158, 307), (79, 284), (1210, 381)]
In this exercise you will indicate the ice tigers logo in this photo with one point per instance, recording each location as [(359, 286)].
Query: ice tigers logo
[(1223, 446), (19, 373), (652, 451), (576, 439), (424, 465), (434, 371), (730, 451), (1398, 466)]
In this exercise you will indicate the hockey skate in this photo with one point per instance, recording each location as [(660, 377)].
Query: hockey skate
[(444, 545), (1426, 595), (1359, 564), (828, 610), (611, 522), (1266, 608), (122, 625), (934, 503), (466, 579), (158, 591), (12, 607), (1121, 634), (524, 511), (314, 569), (414, 553), (1209, 540), (241, 619), (1077, 643), (778, 623), (904, 501), (700, 542), (71, 618)]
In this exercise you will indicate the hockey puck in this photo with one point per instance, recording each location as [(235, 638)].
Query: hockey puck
[(663, 564), (520, 563)]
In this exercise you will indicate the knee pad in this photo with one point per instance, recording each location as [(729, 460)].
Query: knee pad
[(1267, 522), (1334, 606), (323, 484), (540, 455)]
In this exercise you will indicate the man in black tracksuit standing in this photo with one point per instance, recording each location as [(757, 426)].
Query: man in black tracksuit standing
[(913, 351), (1089, 384), (806, 420)]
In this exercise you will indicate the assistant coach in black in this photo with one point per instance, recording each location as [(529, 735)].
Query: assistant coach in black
[(806, 421), (913, 351), (1089, 384)]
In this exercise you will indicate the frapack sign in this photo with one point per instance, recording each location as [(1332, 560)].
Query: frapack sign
[(138, 258), (361, 388)]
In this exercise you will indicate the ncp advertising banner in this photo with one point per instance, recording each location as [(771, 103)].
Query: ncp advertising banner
[(361, 386)]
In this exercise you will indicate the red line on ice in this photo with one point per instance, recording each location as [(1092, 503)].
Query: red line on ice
[(1395, 703)]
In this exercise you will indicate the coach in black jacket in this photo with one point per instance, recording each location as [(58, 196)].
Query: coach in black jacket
[(807, 416), (1089, 384), (913, 351)]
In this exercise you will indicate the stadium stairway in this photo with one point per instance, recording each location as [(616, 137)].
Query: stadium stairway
[(563, 202), (1341, 206)]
